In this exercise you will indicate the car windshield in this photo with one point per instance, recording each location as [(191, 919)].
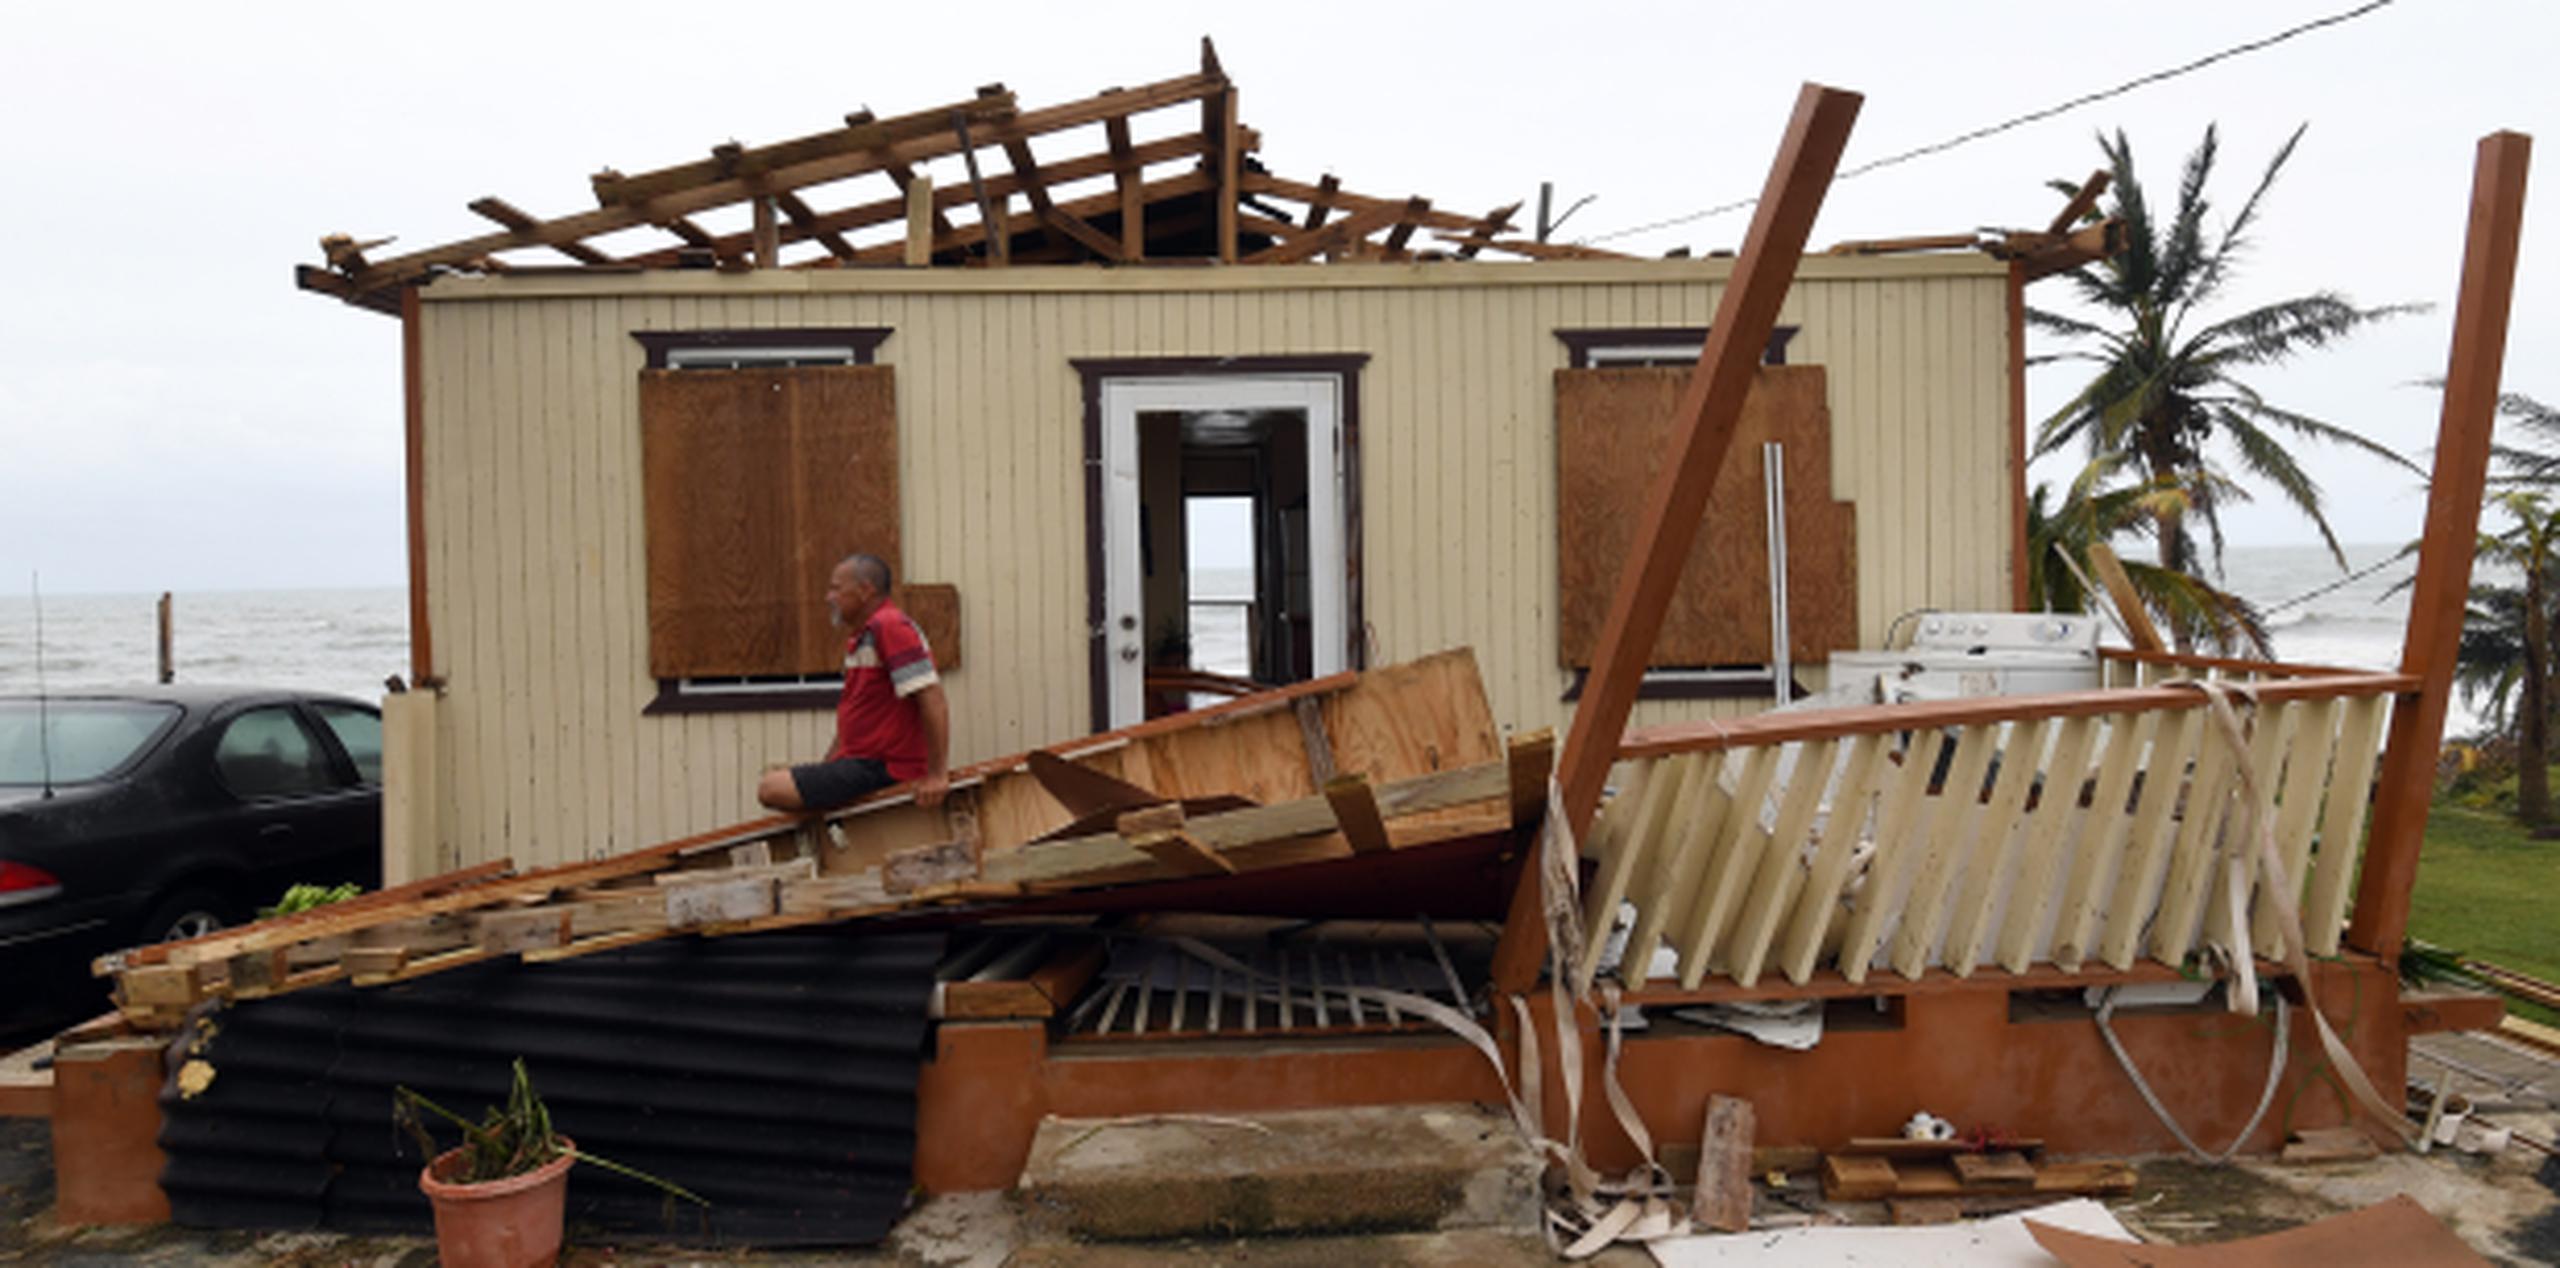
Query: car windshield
[(72, 741)]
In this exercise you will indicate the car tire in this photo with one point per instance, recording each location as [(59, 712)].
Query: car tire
[(190, 913)]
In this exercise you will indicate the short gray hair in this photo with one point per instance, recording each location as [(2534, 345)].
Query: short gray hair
[(873, 570)]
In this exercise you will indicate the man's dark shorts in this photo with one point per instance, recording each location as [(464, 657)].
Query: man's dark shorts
[(826, 785)]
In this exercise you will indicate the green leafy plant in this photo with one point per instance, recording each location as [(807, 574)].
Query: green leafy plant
[(509, 1139), (305, 897)]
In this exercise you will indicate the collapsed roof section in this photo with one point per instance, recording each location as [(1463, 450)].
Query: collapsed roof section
[(1152, 186)]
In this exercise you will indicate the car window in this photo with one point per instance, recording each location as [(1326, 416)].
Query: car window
[(266, 753), (359, 731), (69, 741)]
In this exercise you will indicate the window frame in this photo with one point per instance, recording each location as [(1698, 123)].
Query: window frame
[(759, 347), (336, 766), (1638, 347)]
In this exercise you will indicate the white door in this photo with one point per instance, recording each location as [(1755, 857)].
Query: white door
[(1319, 398)]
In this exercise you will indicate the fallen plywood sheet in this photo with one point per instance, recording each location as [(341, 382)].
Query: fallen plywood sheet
[(2394, 1234), (1996, 1243), (1417, 738)]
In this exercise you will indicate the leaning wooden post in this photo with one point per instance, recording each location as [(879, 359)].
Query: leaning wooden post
[(2443, 584), (1710, 408)]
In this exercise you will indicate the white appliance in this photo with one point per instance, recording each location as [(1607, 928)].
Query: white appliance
[(1957, 654)]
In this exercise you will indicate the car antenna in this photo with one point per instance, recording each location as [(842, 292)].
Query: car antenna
[(44, 715)]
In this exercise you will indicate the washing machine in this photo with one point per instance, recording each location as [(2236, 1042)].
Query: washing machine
[(1957, 654)]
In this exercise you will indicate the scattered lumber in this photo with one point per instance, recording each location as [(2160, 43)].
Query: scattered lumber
[(1868, 1178), (1723, 1199), (1414, 746)]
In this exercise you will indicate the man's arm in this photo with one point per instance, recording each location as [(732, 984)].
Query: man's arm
[(935, 711)]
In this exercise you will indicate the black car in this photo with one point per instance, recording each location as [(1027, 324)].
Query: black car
[(149, 814)]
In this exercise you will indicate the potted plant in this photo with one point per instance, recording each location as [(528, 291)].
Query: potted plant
[(499, 1196)]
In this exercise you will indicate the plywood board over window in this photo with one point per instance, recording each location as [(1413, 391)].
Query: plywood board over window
[(1612, 427), (757, 481)]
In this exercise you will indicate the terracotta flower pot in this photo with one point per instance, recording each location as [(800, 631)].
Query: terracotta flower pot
[(510, 1223)]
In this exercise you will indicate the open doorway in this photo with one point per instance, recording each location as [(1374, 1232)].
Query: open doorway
[(1223, 538)]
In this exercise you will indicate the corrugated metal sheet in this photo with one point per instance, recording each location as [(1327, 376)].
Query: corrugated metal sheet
[(536, 573), (773, 1073)]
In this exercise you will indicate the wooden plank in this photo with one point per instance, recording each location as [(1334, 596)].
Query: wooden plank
[(2040, 851), (2001, 1169), (1819, 898), (1622, 839), (2147, 844), (1969, 918), (1320, 764), (1724, 869), (1100, 854), (801, 215), (1857, 1178), (2101, 838), (1708, 410), (1685, 826), (2351, 787), (1128, 179), (333, 916), (1319, 200), (1781, 866), (1722, 1201), (861, 136), (1332, 237), (1533, 763), (1027, 169), (768, 232), (508, 214), (2083, 201), (1952, 812), (1897, 846), (2127, 600), (1227, 152), (2453, 518), (1355, 808), (921, 217), (1956, 714), (2306, 776), (910, 870), (2251, 813), (2209, 804)]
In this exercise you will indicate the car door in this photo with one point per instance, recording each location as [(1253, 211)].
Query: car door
[(297, 816), (355, 822)]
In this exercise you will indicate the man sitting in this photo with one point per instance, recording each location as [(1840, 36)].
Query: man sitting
[(892, 723)]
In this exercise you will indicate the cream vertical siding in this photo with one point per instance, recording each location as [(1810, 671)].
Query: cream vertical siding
[(536, 570)]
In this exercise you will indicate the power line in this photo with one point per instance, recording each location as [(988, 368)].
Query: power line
[(2005, 125), (2339, 584)]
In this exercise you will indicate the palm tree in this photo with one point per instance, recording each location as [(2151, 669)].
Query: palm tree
[(2506, 641), (2168, 378), (2539, 468), (2059, 536)]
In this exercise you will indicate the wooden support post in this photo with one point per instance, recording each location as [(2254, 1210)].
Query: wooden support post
[(168, 661), (2443, 583), (1228, 148), (999, 236), (1355, 808), (920, 216), (768, 234), (413, 392), (1709, 410), (1130, 178), (2128, 601)]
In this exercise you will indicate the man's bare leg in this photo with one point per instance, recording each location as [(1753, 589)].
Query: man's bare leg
[(777, 790)]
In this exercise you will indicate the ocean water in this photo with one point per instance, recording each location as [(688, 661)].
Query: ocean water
[(346, 641), (349, 640)]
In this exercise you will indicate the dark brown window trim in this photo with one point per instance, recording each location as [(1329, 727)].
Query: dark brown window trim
[(1579, 343), (865, 341), (673, 699), (1653, 688), (1093, 370)]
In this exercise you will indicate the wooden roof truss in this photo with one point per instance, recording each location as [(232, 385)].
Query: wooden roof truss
[(861, 196)]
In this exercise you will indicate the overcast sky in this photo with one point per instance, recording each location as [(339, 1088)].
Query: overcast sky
[(175, 415)]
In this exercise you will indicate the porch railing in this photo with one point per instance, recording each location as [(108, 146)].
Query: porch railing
[(2015, 830)]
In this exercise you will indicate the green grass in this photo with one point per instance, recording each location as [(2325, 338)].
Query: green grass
[(2489, 891)]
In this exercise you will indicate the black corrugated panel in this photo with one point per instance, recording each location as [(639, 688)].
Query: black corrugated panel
[(774, 1074)]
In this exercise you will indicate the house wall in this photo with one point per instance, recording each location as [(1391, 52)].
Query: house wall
[(535, 568)]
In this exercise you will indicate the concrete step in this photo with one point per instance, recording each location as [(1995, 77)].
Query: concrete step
[(1416, 1168)]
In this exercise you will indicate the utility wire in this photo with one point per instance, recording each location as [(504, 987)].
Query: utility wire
[(2005, 125), (2339, 584)]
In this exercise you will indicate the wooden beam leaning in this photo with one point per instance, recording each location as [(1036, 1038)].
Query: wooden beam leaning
[(2443, 583), (1486, 230), (806, 221), (513, 217), (1355, 807), (1709, 409), (1027, 170), (1414, 209), (2127, 600), (2083, 201)]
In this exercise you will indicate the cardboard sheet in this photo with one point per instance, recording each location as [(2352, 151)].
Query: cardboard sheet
[(2394, 1234), (1994, 1243)]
